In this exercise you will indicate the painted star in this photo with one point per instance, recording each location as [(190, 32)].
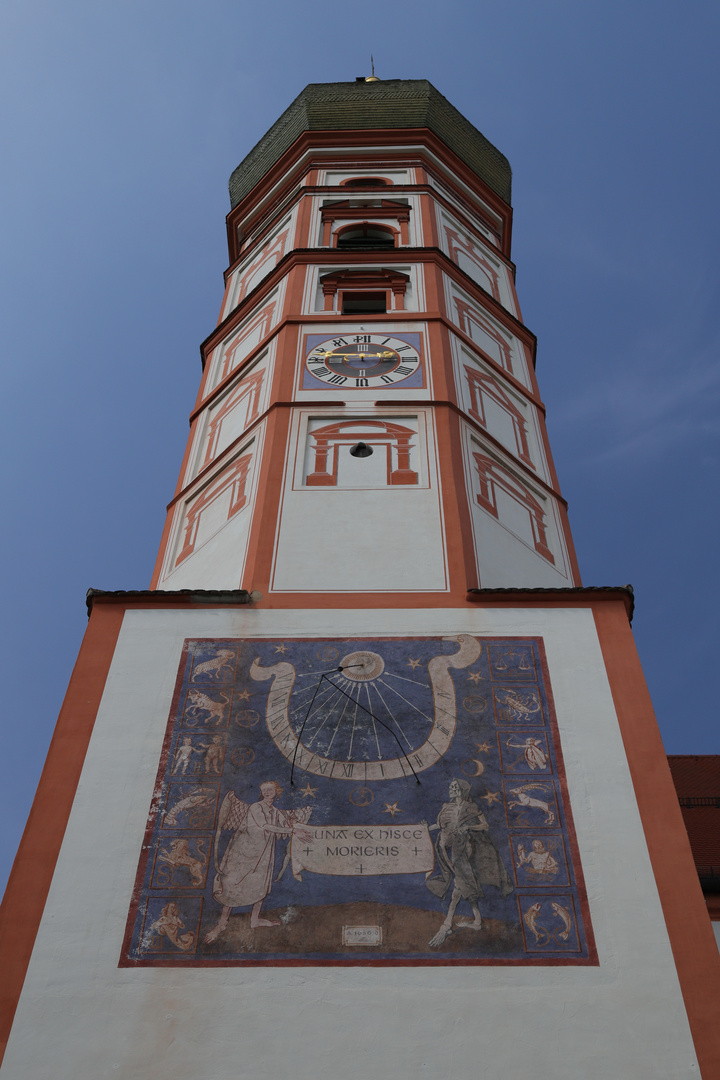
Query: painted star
[(243, 696), (414, 663), (308, 792), (392, 809), (280, 648), (490, 796), (475, 676), (483, 747)]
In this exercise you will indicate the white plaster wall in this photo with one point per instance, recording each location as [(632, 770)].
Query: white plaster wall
[(504, 545), (262, 261), (80, 1017), (498, 424), (235, 418), (465, 209), (393, 536), (218, 559), (251, 332), (481, 338), (461, 258)]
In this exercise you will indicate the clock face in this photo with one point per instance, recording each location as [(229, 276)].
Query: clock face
[(362, 360)]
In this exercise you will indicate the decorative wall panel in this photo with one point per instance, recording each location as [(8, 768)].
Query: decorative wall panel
[(389, 801)]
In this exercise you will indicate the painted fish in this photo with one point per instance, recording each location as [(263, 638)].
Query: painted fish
[(530, 919), (564, 914)]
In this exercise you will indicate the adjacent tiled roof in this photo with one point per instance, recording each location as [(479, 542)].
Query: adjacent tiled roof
[(697, 782), (194, 596), (608, 590), (390, 103), (696, 775)]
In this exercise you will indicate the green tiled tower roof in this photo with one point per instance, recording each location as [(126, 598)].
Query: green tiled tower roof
[(393, 103)]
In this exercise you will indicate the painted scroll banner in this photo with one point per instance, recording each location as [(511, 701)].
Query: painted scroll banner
[(360, 852)]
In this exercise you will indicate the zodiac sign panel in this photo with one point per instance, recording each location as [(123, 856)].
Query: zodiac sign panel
[(387, 800)]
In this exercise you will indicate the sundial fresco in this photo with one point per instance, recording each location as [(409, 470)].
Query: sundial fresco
[(389, 800)]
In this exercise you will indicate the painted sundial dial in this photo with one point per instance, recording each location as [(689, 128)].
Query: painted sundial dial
[(366, 717)]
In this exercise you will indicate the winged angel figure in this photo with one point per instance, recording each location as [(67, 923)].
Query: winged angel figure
[(245, 871)]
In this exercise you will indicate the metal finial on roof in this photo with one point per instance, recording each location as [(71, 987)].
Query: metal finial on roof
[(373, 77)]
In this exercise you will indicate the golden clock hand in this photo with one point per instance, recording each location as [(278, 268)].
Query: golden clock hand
[(386, 355)]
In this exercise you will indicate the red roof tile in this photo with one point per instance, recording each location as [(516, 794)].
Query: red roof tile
[(697, 782), (696, 775)]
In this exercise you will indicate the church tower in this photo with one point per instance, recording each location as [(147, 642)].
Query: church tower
[(367, 780)]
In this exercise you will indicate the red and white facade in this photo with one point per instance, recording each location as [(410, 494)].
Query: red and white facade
[(454, 523), (486, 509)]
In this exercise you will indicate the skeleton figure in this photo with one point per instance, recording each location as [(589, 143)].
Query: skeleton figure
[(467, 859)]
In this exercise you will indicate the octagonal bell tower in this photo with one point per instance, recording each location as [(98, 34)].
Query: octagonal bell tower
[(370, 299)]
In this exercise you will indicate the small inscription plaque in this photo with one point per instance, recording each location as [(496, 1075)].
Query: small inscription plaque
[(362, 935)]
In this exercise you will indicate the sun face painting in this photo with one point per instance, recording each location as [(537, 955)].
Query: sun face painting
[(394, 800)]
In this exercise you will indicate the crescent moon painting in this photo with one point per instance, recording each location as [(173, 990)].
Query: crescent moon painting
[(479, 767)]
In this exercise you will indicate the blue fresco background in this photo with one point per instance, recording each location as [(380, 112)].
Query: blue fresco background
[(500, 698)]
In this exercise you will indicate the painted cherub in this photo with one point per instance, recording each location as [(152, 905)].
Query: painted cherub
[(213, 755), (183, 755)]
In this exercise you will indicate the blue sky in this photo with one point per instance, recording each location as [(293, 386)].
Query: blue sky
[(120, 125)]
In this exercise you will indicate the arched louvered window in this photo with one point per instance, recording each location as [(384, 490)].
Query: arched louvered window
[(365, 237), (366, 182)]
